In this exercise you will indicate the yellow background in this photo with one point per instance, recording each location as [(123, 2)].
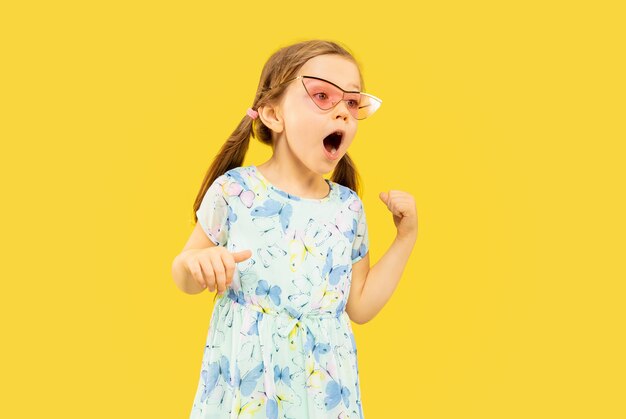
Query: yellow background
[(505, 121)]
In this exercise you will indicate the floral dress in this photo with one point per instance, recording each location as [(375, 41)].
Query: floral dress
[(280, 343)]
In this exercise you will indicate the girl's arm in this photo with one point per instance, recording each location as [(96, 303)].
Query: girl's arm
[(371, 288)]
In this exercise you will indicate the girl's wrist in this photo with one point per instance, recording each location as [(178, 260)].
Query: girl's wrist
[(408, 238)]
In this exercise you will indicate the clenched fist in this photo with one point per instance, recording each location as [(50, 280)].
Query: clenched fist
[(402, 206)]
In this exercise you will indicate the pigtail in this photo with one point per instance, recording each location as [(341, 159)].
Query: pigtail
[(231, 155), (345, 174)]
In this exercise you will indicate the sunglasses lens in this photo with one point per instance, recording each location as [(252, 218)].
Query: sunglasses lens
[(367, 106), (326, 96)]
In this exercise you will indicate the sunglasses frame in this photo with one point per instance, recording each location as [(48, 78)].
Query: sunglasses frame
[(330, 82)]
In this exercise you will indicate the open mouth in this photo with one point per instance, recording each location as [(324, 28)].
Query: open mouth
[(333, 141)]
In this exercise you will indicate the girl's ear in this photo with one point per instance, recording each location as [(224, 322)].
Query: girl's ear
[(271, 117)]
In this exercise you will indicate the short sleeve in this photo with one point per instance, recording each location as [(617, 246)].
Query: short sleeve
[(360, 246), (213, 212)]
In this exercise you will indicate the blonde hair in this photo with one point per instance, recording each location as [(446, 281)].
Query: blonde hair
[(281, 66)]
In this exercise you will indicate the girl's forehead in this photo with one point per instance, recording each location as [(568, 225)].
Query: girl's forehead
[(337, 69)]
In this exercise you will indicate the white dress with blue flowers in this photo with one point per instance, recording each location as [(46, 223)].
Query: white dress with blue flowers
[(280, 343)]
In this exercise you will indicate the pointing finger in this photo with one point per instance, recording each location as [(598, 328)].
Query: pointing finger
[(241, 256)]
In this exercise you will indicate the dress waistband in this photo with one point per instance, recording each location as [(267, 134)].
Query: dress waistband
[(289, 312)]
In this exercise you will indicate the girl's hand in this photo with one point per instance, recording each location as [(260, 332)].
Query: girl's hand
[(402, 206), (214, 266)]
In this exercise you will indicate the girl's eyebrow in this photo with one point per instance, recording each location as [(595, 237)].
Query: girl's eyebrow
[(356, 86), (358, 89)]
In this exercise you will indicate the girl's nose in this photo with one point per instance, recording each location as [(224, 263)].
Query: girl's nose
[(341, 110)]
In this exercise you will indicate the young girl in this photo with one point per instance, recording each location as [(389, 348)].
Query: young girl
[(287, 250)]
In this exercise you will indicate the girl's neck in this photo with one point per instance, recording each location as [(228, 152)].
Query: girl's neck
[(294, 179)]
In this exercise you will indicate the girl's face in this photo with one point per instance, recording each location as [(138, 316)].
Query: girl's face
[(305, 125)]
